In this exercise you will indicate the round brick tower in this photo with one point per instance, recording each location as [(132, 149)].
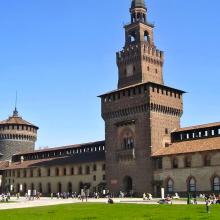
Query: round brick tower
[(16, 136)]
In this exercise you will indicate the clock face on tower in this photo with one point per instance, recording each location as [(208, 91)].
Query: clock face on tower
[(129, 70)]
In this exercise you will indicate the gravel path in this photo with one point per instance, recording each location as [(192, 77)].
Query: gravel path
[(23, 203)]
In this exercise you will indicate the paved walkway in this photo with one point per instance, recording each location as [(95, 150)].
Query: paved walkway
[(23, 203)]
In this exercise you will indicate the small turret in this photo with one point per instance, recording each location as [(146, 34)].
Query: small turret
[(16, 136)]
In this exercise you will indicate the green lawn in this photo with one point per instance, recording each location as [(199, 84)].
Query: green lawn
[(115, 212)]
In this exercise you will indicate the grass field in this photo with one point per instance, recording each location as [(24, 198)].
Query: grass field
[(114, 212)]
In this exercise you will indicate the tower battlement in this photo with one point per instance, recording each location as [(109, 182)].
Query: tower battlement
[(144, 49)]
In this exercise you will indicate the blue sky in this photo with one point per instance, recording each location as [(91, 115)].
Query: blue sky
[(60, 55)]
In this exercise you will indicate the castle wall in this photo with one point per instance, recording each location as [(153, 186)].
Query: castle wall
[(201, 172), (16, 178), (10, 147)]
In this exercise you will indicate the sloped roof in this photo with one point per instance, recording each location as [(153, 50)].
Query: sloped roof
[(15, 119), (192, 146), (75, 159), (209, 125), (140, 84), (3, 164), (49, 149)]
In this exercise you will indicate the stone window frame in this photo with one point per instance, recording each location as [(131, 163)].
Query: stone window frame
[(207, 159), (188, 161), (169, 185), (215, 184), (175, 163), (127, 139), (191, 186)]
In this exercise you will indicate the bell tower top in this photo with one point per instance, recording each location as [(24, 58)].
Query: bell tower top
[(138, 11), (138, 4), (139, 61)]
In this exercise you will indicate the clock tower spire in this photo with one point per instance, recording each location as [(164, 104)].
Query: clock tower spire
[(139, 61)]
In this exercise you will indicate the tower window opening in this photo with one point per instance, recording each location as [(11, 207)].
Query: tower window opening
[(128, 143), (146, 36), (134, 68), (133, 18), (144, 18), (132, 37)]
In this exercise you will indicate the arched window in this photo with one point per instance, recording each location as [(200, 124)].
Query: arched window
[(170, 186), (72, 171), (59, 187), (127, 139), (94, 167), (24, 173), (31, 173), (32, 186), (207, 160), (40, 187), (216, 184), (64, 171), (57, 172), (48, 188), (39, 172), (87, 170), (80, 171), (70, 187), (188, 162), (18, 174), (18, 188), (132, 37), (175, 163), (192, 185), (48, 172), (24, 188)]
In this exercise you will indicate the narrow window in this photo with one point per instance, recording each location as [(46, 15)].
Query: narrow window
[(175, 163), (216, 184), (192, 185), (170, 186), (103, 167)]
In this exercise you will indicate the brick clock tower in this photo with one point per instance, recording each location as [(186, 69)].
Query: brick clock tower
[(142, 112)]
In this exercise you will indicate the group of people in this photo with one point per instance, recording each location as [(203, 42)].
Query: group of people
[(32, 195), (64, 195), (83, 196), (147, 196), (5, 197)]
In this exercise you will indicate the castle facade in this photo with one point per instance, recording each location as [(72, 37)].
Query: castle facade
[(145, 149)]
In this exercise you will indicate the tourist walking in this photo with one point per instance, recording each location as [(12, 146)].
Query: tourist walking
[(208, 205)]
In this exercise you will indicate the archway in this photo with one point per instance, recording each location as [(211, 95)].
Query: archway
[(59, 187), (24, 188), (70, 188), (49, 188), (127, 184)]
